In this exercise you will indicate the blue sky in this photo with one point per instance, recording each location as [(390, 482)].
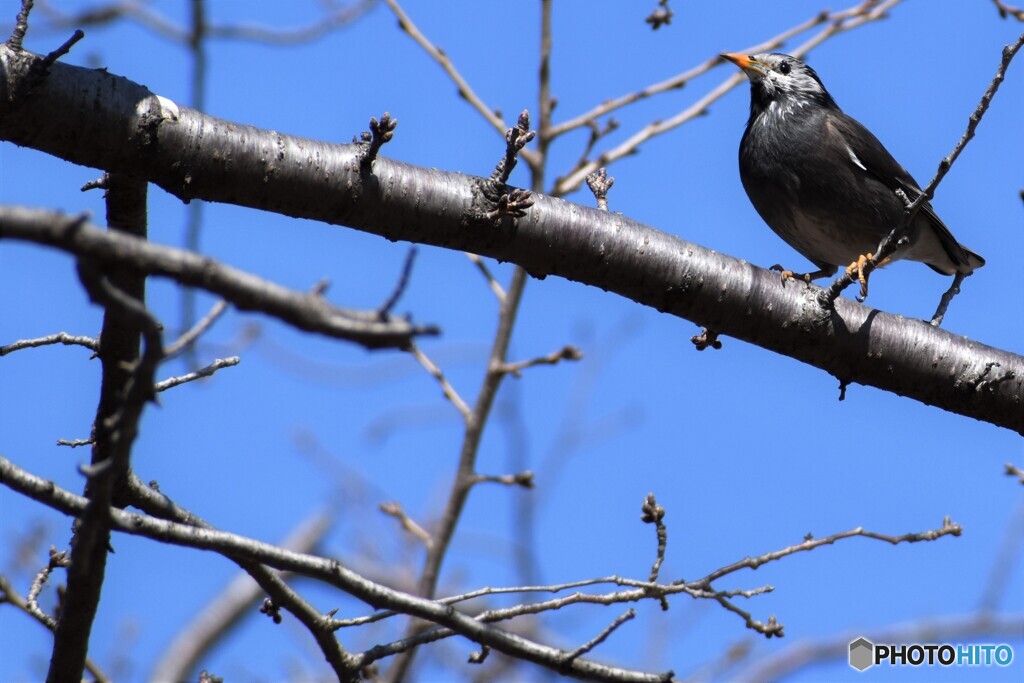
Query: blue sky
[(748, 451)]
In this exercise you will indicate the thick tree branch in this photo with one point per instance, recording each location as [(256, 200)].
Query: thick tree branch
[(305, 310), (126, 385), (305, 178)]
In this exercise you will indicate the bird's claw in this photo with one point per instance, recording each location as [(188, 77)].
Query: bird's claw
[(787, 274), (862, 277)]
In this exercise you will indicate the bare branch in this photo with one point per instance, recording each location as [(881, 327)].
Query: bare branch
[(213, 367), (680, 80), (330, 571), (11, 597), (59, 338), (446, 387), (75, 443), (844, 21), (567, 352), (655, 514), (638, 590), (524, 479), (600, 637), (186, 340), (1006, 10), (948, 528), (57, 559), (1014, 471), (466, 92), (17, 37), (64, 48), (126, 386), (495, 286), (307, 311), (897, 236), (465, 477), (231, 605), (954, 289), (144, 15), (394, 509), (159, 506), (403, 282)]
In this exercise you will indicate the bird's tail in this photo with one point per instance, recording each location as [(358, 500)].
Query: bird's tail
[(974, 261)]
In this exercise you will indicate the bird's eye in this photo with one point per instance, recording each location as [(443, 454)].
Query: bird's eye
[(784, 68)]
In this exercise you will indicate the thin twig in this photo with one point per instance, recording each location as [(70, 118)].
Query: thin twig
[(189, 338), (20, 26), (600, 637), (59, 338), (639, 590), (446, 387), (567, 352), (953, 290), (493, 283), (64, 48), (466, 92), (948, 528), (395, 509), (841, 21), (213, 367), (75, 443), (680, 80), (524, 479), (1014, 471), (403, 282), (655, 514), (1006, 10), (57, 559), (11, 597), (145, 16), (896, 237)]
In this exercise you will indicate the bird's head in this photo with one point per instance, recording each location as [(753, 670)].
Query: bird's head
[(781, 79)]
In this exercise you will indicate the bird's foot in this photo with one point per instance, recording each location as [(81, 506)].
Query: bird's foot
[(805, 277), (862, 277)]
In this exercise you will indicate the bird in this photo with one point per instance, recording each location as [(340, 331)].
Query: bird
[(824, 183)]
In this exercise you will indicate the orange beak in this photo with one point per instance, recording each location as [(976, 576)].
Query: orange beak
[(742, 61)]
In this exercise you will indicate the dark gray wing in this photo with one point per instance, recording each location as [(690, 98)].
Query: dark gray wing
[(875, 159)]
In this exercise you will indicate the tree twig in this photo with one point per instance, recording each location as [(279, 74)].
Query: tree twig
[(207, 371), (864, 12), (189, 337), (59, 338), (893, 241)]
